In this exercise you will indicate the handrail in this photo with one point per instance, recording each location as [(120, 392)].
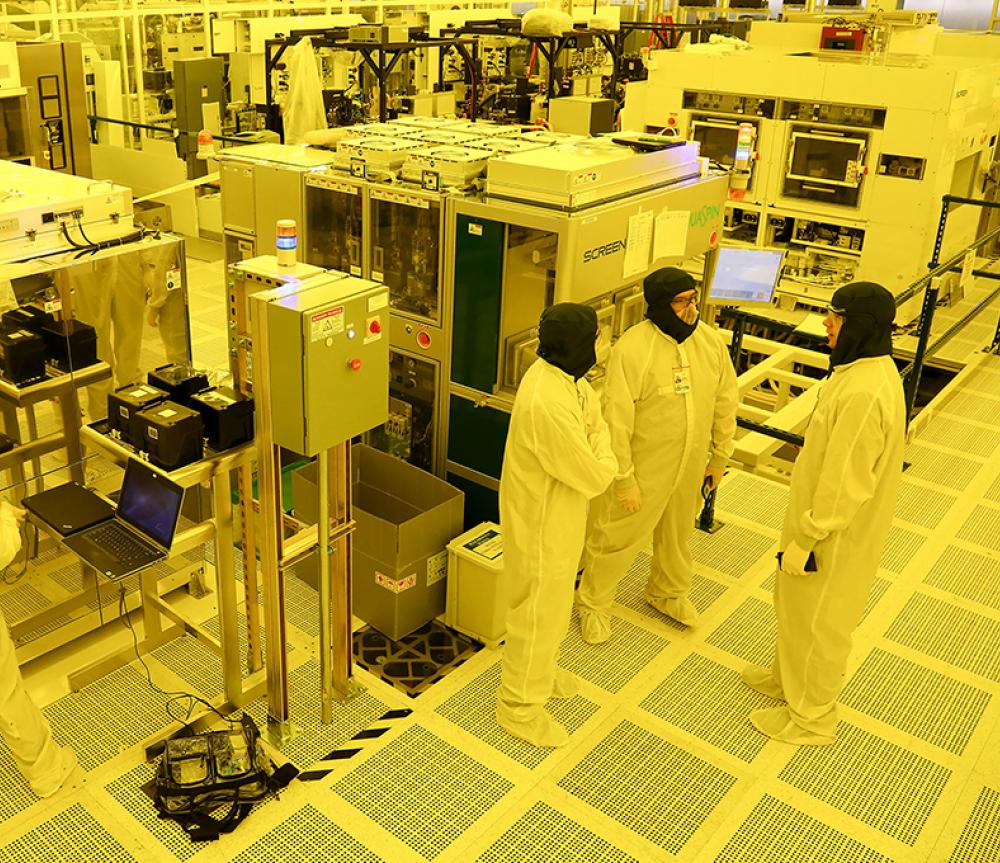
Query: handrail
[(173, 132)]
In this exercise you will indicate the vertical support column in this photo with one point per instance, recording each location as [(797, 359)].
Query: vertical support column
[(325, 610), (225, 586), (269, 482), (341, 584), (251, 583)]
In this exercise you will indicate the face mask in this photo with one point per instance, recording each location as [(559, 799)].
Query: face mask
[(689, 315)]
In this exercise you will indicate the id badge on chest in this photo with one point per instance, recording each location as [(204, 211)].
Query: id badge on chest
[(682, 379)]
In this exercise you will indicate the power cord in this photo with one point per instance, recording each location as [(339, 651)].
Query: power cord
[(172, 697), (24, 545)]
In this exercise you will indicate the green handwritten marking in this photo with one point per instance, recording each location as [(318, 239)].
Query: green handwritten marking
[(700, 218)]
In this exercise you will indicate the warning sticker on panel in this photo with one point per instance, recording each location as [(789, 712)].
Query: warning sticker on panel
[(396, 585), (326, 324), (488, 544), (437, 568)]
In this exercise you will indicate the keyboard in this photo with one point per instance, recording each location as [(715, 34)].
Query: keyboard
[(120, 543)]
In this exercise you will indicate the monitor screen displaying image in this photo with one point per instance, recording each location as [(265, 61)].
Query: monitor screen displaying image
[(745, 276)]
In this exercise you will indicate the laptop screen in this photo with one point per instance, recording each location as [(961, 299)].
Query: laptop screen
[(745, 275), (150, 502)]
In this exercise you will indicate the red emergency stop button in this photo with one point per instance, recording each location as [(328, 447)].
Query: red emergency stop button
[(355, 365), (375, 327), (424, 339)]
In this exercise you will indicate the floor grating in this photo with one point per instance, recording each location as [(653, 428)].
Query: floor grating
[(775, 831), (883, 785), (308, 836), (946, 469), (982, 528), (967, 574), (901, 545), (922, 506), (960, 436), (951, 634), (753, 499), (710, 702), (72, 835), (973, 406), (749, 632), (616, 663), (544, 835), (649, 785), (980, 839), (897, 692), (473, 708), (423, 791), (732, 551)]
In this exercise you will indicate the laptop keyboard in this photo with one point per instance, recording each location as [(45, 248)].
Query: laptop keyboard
[(119, 542)]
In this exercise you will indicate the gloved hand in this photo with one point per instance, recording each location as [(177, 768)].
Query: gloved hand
[(793, 560), (715, 475), (628, 497)]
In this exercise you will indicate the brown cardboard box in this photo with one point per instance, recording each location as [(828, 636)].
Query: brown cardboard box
[(405, 519)]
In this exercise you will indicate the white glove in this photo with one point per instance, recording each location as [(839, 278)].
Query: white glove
[(793, 560), (629, 498), (715, 473)]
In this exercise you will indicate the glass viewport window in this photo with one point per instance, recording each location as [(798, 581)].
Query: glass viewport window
[(409, 431), (718, 143), (405, 255), (334, 235), (823, 159)]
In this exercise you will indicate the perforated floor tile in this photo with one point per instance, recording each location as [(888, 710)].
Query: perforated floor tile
[(302, 606), (994, 491), (631, 591), (21, 602), (775, 831), (16, 796), (879, 587), (946, 431), (974, 406), (127, 792), (193, 662), (984, 379), (72, 717), (423, 790), (473, 708), (899, 693), (939, 629), (922, 506), (982, 527), (733, 550), (72, 835), (749, 632), (316, 739), (754, 499), (881, 784), (544, 835), (967, 574), (900, 547), (709, 701), (615, 664), (941, 468), (308, 836), (980, 839), (650, 786)]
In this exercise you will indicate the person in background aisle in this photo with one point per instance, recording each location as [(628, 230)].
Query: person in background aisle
[(843, 493), (670, 401), (558, 456), (24, 728)]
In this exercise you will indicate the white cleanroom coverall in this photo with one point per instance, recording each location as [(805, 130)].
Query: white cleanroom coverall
[(558, 457), (843, 494), (671, 411), (23, 726)]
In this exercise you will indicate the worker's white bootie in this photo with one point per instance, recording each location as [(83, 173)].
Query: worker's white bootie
[(64, 773), (680, 608), (761, 680), (566, 684), (777, 723), (595, 626), (539, 729)]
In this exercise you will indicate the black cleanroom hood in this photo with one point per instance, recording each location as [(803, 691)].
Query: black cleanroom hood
[(567, 333), (868, 310), (659, 289)]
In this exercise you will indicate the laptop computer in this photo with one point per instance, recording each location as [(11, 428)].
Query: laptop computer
[(69, 508), (142, 529)]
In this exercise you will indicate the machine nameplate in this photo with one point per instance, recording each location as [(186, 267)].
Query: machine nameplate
[(336, 185), (399, 198)]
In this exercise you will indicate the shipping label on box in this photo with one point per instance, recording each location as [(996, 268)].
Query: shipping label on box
[(437, 567), (396, 585)]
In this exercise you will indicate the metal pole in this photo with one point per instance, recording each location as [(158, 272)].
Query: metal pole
[(325, 603), (923, 334), (995, 347)]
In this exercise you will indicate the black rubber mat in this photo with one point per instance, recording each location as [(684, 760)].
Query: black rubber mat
[(416, 661)]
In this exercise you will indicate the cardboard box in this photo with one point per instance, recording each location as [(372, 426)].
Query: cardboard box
[(405, 520), (477, 592)]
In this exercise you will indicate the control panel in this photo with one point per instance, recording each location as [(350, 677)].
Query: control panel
[(728, 103), (328, 360), (832, 114)]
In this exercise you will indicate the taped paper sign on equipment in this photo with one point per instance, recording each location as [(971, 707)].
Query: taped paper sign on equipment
[(670, 234), (640, 237)]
